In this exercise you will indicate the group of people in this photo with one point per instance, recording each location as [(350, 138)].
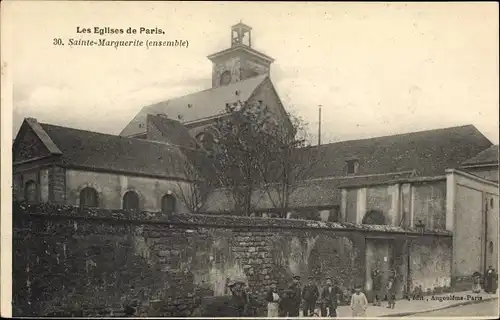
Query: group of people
[(288, 302), (489, 281), (386, 289)]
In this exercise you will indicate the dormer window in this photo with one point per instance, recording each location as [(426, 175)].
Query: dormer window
[(352, 166)]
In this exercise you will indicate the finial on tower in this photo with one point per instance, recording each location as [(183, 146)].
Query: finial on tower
[(241, 34)]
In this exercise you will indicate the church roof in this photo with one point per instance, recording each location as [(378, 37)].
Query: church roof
[(429, 152), (113, 153), (196, 106), (486, 157)]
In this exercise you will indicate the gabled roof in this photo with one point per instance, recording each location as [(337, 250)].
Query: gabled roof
[(485, 157), (200, 105), (429, 152), (92, 150), (41, 134)]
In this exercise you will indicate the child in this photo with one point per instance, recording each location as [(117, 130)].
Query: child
[(358, 303)]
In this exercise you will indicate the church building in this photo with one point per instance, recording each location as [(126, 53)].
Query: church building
[(444, 179), (240, 75)]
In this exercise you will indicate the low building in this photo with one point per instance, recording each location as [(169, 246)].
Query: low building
[(82, 168)]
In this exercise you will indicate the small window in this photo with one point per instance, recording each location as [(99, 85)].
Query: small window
[(168, 204), (374, 217), (131, 201), (352, 166), (491, 203), (207, 140), (31, 192), (490, 247), (88, 198)]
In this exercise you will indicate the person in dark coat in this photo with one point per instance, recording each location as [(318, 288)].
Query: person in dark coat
[(377, 286), (391, 289), (310, 294), (129, 311), (285, 302), (294, 298), (489, 281), (330, 296), (239, 298)]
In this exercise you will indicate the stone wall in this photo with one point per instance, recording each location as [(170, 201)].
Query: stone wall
[(101, 260), (94, 261), (430, 264)]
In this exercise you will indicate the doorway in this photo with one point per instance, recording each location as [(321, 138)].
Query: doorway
[(379, 252)]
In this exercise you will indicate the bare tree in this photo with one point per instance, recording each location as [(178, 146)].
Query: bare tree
[(259, 153), (197, 167), (289, 160), (239, 150)]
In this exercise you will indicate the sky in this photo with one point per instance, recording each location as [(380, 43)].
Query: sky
[(377, 69)]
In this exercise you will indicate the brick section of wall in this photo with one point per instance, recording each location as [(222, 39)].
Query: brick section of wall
[(73, 262)]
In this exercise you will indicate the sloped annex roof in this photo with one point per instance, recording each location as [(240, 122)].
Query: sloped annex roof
[(174, 133), (429, 152), (486, 157), (107, 152), (195, 106)]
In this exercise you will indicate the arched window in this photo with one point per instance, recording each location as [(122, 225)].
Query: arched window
[(374, 217), (88, 198), (168, 203), (31, 192), (131, 201)]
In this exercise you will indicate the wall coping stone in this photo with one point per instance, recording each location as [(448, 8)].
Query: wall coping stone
[(50, 210)]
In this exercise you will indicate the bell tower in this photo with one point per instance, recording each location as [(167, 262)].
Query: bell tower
[(240, 61), (241, 34)]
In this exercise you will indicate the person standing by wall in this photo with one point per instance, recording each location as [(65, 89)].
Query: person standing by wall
[(359, 303), (377, 286), (476, 284), (294, 297), (330, 299), (489, 281), (391, 289), (310, 294), (239, 298), (273, 300)]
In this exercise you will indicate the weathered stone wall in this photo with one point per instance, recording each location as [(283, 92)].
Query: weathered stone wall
[(101, 260), (97, 260), (430, 264)]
